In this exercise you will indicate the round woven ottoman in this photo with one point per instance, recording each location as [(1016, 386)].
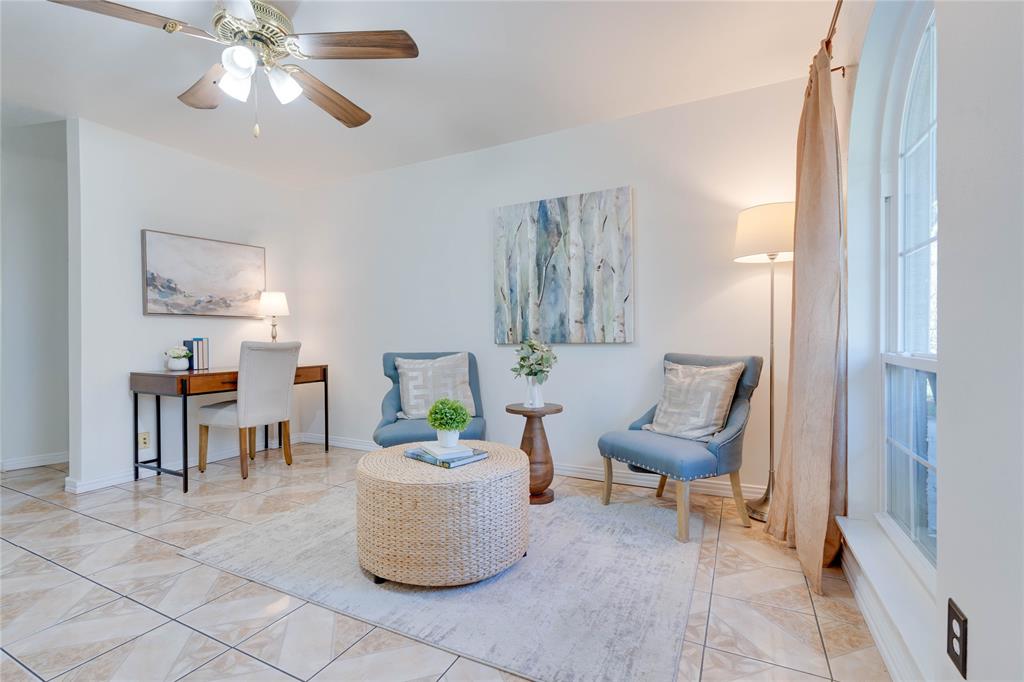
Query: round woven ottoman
[(426, 525)]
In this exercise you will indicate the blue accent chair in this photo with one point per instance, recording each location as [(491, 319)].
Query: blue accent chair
[(684, 460), (394, 431)]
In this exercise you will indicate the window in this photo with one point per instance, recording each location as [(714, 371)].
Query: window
[(910, 360)]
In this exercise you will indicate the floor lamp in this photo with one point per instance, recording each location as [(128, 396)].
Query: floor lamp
[(764, 234)]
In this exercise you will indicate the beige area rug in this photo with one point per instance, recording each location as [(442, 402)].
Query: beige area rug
[(603, 593)]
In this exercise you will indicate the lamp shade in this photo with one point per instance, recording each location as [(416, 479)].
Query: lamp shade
[(273, 303), (764, 230), (285, 88)]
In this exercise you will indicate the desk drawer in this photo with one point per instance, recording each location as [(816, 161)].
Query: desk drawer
[(306, 375), (213, 383)]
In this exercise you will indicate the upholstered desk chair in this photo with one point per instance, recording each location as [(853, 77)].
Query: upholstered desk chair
[(266, 374), (684, 460), (394, 431)]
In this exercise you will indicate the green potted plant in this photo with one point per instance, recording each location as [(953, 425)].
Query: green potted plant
[(535, 362), (448, 417), (177, 357)]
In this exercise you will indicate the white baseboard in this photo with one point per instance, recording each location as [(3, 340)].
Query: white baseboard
[(12, 463), (705, 486), (888, 598), (75, 486), (336, 441)]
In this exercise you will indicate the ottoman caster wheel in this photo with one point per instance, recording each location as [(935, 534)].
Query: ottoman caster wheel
[(377, 580)]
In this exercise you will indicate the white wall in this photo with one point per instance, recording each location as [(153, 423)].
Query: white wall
[(35, 306), (404, 264), (981, 331), (119, 185)]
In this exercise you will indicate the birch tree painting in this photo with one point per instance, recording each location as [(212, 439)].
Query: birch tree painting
[(563, 269)]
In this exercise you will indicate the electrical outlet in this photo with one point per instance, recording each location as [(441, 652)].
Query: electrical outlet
[(144, 440), (956, 637)]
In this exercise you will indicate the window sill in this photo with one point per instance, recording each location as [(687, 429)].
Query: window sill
[(897, 607), (911, 555)]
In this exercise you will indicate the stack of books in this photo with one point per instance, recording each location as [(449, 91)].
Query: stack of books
[(200, 348), (449, 458)]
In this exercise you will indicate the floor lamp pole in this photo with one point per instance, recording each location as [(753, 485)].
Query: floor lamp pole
[(758, 508)]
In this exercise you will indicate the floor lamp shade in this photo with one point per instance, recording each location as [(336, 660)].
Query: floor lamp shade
[(765, 230)]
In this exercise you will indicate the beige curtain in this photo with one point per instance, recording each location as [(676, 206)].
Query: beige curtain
[(811, 473)]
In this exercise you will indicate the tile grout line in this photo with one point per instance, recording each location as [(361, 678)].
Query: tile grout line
[(373, 628), (450, 666), (770, 663), (15, 659), (821, 635), (711, 588)]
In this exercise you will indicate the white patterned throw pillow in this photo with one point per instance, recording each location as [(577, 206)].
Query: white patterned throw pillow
[(422, 382), (696, 400)]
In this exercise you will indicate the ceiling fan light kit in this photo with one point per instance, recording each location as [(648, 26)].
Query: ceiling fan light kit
[(285, 88), (239, 61), (257, 34), (235, 87)]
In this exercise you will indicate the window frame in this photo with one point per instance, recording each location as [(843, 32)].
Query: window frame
[(891, 302)]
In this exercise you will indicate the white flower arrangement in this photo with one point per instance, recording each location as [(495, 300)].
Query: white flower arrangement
[(178, 352)]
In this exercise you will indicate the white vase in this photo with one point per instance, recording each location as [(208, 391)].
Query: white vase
[(177, 364), (533, 394), (448, 439)]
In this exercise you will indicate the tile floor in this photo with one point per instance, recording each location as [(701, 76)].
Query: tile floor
[(92, 588)]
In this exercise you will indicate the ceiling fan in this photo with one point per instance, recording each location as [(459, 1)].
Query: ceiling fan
[(259, 36)]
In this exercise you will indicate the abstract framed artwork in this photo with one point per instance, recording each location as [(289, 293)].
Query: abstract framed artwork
[(183, 275), (563, 269)]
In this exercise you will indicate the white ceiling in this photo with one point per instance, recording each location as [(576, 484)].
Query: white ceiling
[(488, 73)]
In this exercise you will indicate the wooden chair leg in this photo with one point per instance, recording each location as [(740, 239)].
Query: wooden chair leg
[(683, 511), (286, 436), (204, 442), (242, 459), (252, 442), (737, 496), (606, 496), (661, 486)]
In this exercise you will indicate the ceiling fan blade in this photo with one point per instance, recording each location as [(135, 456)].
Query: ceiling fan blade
[(205, 94), (357, 45), (112, 9), (331, 101)]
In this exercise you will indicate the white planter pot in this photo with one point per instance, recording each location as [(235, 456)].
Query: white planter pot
[(177, 364), (448, 439), (533, 393)]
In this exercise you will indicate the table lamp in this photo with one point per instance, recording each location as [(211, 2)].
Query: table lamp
[(273, 304), (764, 234)]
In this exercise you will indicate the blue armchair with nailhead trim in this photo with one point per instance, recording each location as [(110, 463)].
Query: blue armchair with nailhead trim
[(685, 460)]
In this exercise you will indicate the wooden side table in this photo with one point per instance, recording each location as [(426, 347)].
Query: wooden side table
[(535, 445)]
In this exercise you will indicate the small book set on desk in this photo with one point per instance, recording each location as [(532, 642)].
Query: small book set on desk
[(200, 349), (448, 458)]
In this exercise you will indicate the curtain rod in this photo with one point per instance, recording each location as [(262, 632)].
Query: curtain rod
[(832, 27)]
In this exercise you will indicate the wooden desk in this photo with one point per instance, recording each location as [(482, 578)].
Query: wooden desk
[(199, 382)]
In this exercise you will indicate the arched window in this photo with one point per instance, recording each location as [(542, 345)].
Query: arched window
[(911, 340)]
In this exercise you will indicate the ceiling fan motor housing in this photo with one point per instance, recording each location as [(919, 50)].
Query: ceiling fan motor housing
[(268, 35)]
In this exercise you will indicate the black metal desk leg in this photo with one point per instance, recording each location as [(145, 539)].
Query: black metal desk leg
[(135, 432), (327, 432), (184, 442), (266, 436), (158, 462)]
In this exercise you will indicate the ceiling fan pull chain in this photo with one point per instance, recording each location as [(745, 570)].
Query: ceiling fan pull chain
[(256, 108)]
